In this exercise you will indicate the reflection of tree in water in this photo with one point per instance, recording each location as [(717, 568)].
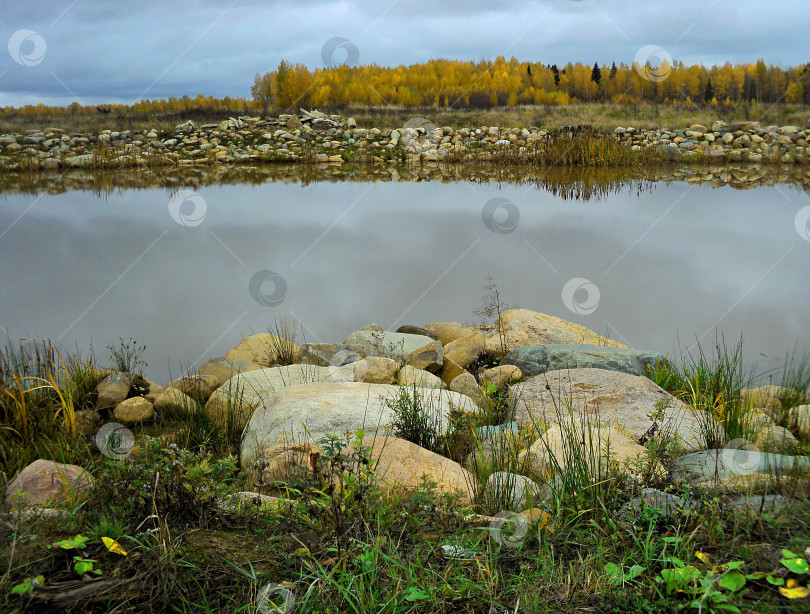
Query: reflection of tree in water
[(566, 182)]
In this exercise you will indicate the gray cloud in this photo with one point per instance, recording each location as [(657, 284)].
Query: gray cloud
[(104, 51)]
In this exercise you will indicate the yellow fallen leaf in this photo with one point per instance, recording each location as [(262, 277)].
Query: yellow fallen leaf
[(799, 592), (113, 546), (703, 557)]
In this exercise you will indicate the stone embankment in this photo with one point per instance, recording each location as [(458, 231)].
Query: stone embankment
[(314, 137)]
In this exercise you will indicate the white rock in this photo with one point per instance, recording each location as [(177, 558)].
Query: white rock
[(613, 398), (308, 412)]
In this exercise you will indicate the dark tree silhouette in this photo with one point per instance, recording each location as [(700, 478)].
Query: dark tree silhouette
[(596, 73)]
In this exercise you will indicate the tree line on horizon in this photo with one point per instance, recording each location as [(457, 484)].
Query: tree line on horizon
[(502, 82), (484, 84)]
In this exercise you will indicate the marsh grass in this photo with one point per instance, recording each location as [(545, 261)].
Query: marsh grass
[(40, 390), (285, 332), (417, 421), (710, 385), (578, 471), (126, 356), (587, 146), (795, 383)]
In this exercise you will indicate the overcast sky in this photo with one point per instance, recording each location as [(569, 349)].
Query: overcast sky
[(94, 51)]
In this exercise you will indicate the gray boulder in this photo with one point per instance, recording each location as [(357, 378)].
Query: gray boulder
[(745, 460), (538, 359), (415, 330), (330, 354)]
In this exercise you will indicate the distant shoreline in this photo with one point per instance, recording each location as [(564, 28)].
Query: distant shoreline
[(316, 138)]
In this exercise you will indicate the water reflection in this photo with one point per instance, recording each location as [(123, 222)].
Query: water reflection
[(91, 257), (567, 183)]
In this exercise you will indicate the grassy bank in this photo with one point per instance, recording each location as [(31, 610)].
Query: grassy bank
[(338, 542), (598, 115)]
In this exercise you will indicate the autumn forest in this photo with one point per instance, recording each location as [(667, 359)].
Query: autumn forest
[(484, 84)]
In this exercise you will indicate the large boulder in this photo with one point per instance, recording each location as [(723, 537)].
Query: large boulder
[(263, 349), (451, 370), (375, 370), (632, 402), (153, 391), (560, 444), (520, 327), (720, 465), (222, 369), (307, 412), (465, 350), (113, 389), (45, 481), (799, 419), (763, 396), (775, 439), (539, 359), (756, 420), (196, 386), (282, 463), (502, 376), (465, 384), (409, 376), (415, 350), (134, 411), (236, 399), (174, 401), (401, 463), (447, 332)]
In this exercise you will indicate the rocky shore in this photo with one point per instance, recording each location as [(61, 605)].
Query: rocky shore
[(537, 369), (315, 138)]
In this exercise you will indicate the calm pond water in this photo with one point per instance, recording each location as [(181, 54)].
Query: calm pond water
[(656, 266)]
